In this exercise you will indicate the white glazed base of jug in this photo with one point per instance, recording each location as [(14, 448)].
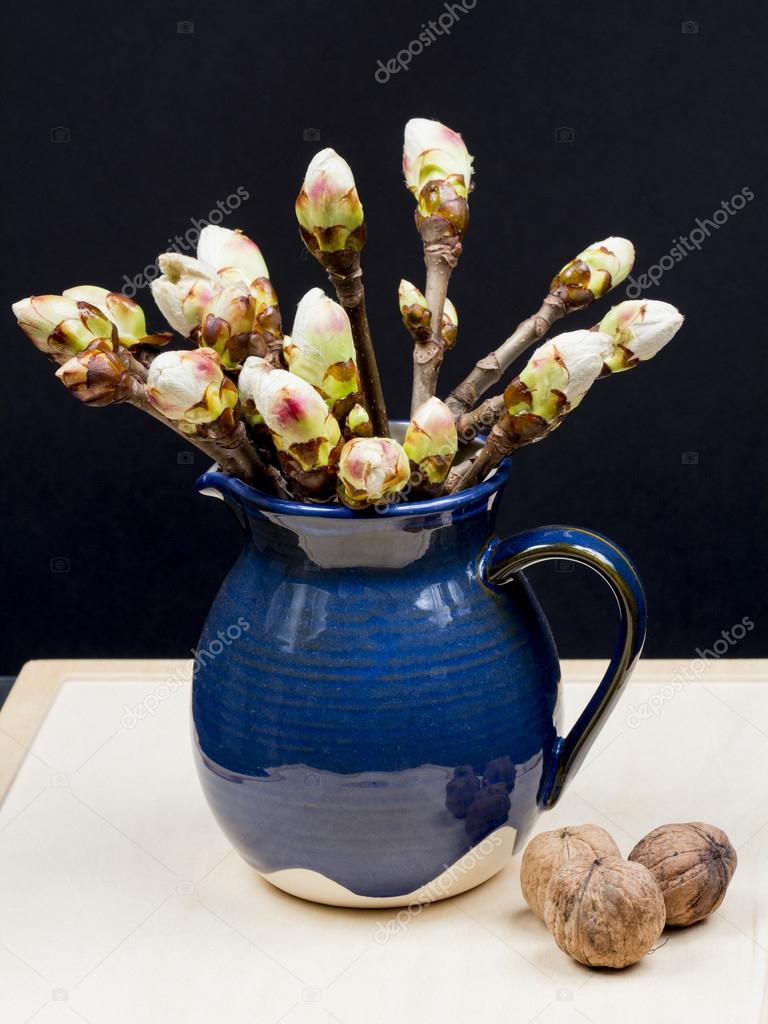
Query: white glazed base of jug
[(472, 869)]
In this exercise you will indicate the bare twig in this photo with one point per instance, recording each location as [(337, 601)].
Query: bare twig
[(481, 419), (491, 368), (506, 436), (346, 276), (231, 450), (442, 248)]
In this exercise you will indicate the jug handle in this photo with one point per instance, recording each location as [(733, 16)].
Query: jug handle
[(498, 564)]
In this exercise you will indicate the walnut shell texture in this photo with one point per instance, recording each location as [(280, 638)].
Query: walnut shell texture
[(549, 851), (693, 864), (605, 914)]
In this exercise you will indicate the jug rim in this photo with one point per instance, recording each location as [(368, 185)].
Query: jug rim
[(214, 481)]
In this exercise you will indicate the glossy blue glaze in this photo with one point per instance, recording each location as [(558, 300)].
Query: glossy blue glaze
[(369, 704)]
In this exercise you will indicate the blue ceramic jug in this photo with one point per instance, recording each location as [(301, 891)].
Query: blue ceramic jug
[(375, 699)]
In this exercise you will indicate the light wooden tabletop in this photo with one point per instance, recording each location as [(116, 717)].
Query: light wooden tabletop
[(123, 902)]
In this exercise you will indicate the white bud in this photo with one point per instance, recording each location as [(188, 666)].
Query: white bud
[(434, 152), (370, 468), (178, 381), (639, 328), (431, 440), (328, 207), (228, 251), (321, 349), (184, 290)]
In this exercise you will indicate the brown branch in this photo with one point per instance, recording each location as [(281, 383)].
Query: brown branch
[(228, 445), (233, 452), (480, 420), (507, 436), (489, 369), (442, 248), (346, 276), (501, 442), (468, 473), (135, 367)]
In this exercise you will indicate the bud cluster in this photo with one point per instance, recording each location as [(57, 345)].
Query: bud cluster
[(223, 298), (303, 415)]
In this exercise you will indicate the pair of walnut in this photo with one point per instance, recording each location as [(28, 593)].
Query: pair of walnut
[(605, 911)]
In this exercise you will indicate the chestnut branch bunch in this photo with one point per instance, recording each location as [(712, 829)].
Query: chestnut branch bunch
[(303, 415)]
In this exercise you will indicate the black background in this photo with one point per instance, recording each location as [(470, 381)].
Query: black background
[(162, 124)]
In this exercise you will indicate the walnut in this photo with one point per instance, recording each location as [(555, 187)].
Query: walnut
[(607, 913), (692, 863), (548, 851)]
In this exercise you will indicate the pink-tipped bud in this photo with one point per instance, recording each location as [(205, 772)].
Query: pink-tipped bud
[(328, 208), (371, 470), (431, 441), (61, 326), (639, 328), (189, 387), (304, 432), (434, 152), (321, 350), (438, 171), (232, 254)]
